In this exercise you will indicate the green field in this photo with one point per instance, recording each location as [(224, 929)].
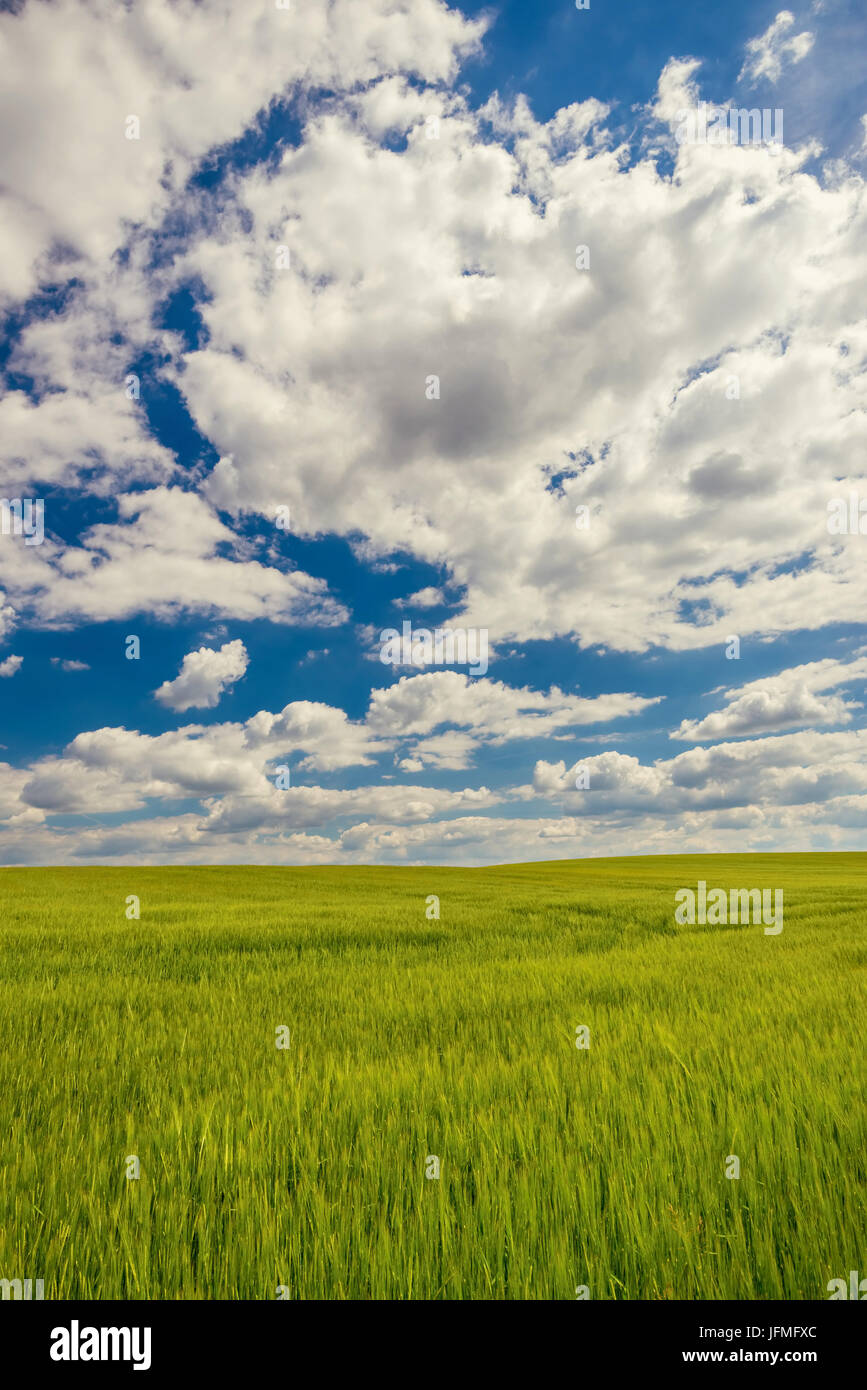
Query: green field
[(304, 1167)]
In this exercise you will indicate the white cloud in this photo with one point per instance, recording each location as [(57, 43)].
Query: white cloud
[(486, 711), (429, 597), (325, 734), (92, 430), (708, 508), (204, 676), (795, 789), (162, 556), (453, 749), (619, 376), (195, 75), (762, 774), (792, 699), (10, 665), (768, 54), (7, 617), (80, 201), (610, 388), (454, 839), (69, 665), (121, 769)]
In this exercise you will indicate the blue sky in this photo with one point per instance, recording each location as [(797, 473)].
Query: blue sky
[(430, 173)]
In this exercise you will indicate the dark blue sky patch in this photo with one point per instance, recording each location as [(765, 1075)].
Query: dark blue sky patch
[(275, 131), (163, 406), (180, 313)]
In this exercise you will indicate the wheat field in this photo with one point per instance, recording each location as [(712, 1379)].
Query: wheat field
[(305, 1170)]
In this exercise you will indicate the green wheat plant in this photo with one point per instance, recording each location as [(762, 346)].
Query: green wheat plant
[(304, 1167)]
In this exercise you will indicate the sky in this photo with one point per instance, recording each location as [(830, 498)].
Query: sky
[(322, 319)]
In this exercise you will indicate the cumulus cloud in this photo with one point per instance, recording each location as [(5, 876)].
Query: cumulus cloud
[(428, 597), (149, 94), (791, 786), (485, 711), (204, 676), (768, 54), (801, 769), (10, 665), (805, 790), (194, 76), (83, 425), (703, 409), (68, 664), (699, 388), (122, 769), (165, 555), (791, 699), (7, 617)]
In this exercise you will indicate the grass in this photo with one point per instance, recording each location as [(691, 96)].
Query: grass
[(305, 1167)]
